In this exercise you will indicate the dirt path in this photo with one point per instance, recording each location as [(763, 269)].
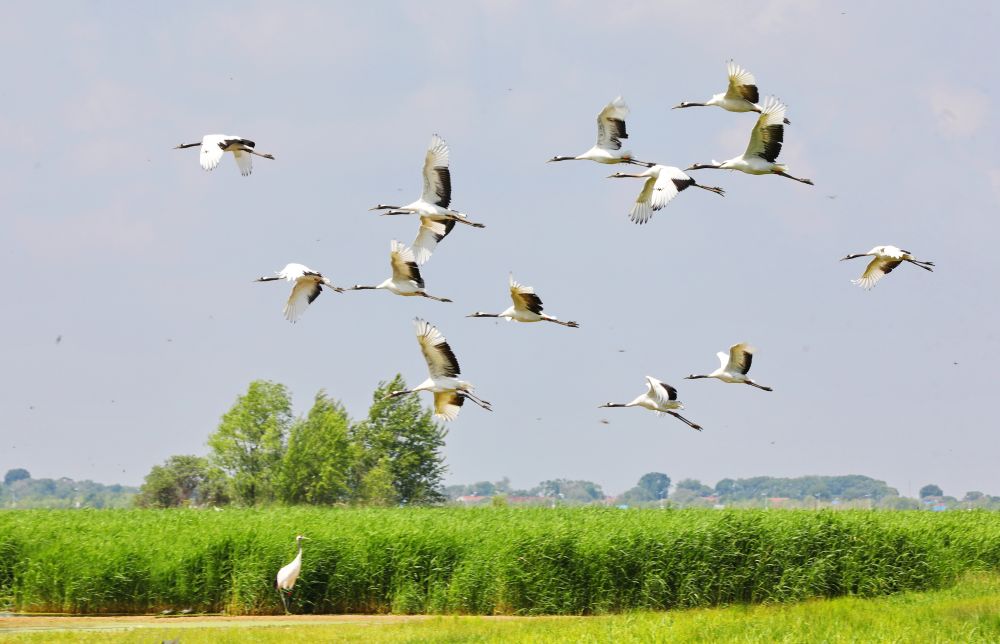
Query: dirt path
[(27, 623)]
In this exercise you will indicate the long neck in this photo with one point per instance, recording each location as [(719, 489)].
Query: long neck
[(694, 377), (564, 159), (480, 314), (358, 287), (616, 405), (187, 145)]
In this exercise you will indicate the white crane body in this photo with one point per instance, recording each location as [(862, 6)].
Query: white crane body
[(214, 146), (406, 279), (761, 155), (449, 391), (734, 366), (436, 217), (886, 258), (663, 183), (307, 285), (610, 132), (527, 307), (741, 95), (285, 580), (660, 398)]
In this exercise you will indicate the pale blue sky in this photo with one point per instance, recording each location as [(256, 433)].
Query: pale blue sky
[(143, 263)]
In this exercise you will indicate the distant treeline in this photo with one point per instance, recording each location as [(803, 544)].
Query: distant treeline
[(19, 490), (655, 488)]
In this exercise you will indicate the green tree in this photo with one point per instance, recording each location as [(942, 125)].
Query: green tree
[(377, 485), (317, 465), (726, 487), (696, 487), (652, 486), (17, 474), (182, 480), (250, 441), (930, 490), (402, 438), (570, 491)]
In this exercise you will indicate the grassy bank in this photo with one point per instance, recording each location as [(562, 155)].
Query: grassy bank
[(483, 561), (968, 612)]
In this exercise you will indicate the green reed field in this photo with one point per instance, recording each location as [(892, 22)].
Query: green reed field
[(477, 561)]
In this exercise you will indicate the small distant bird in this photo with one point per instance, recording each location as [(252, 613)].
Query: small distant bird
[(527, 307), (58, 339), (285, 579), (308, 285), (886, 259), (449, 392), (663, 182), (740, 96), (436, 218), (765, 144), (213, 146), (406, 279), (735, 366), (610, 132), (659, 397)]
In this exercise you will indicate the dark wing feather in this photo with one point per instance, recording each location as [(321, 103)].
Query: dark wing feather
[(615, 132), (749, 92), (772, 136), (314, 292)]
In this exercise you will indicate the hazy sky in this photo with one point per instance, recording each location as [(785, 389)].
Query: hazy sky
[(142, 262)]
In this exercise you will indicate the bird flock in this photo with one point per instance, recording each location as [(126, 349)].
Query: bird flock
[(662, 183)]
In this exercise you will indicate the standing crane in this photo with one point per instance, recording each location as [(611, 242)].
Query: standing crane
[(735, 366), (285, 579), (740, 96), (765, 144), (449, 392), (308, 284), (406, 279), (663, 183), (213, 146), (659, 397), (527, 307), (610, 132), (886, 259), (436, 218)]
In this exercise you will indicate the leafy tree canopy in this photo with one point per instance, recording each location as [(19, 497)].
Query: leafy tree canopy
[(930, 490), (400, 437), (18, 474), (250, 441)]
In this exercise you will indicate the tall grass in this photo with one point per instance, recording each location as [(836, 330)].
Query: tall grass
[(481, 561)]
